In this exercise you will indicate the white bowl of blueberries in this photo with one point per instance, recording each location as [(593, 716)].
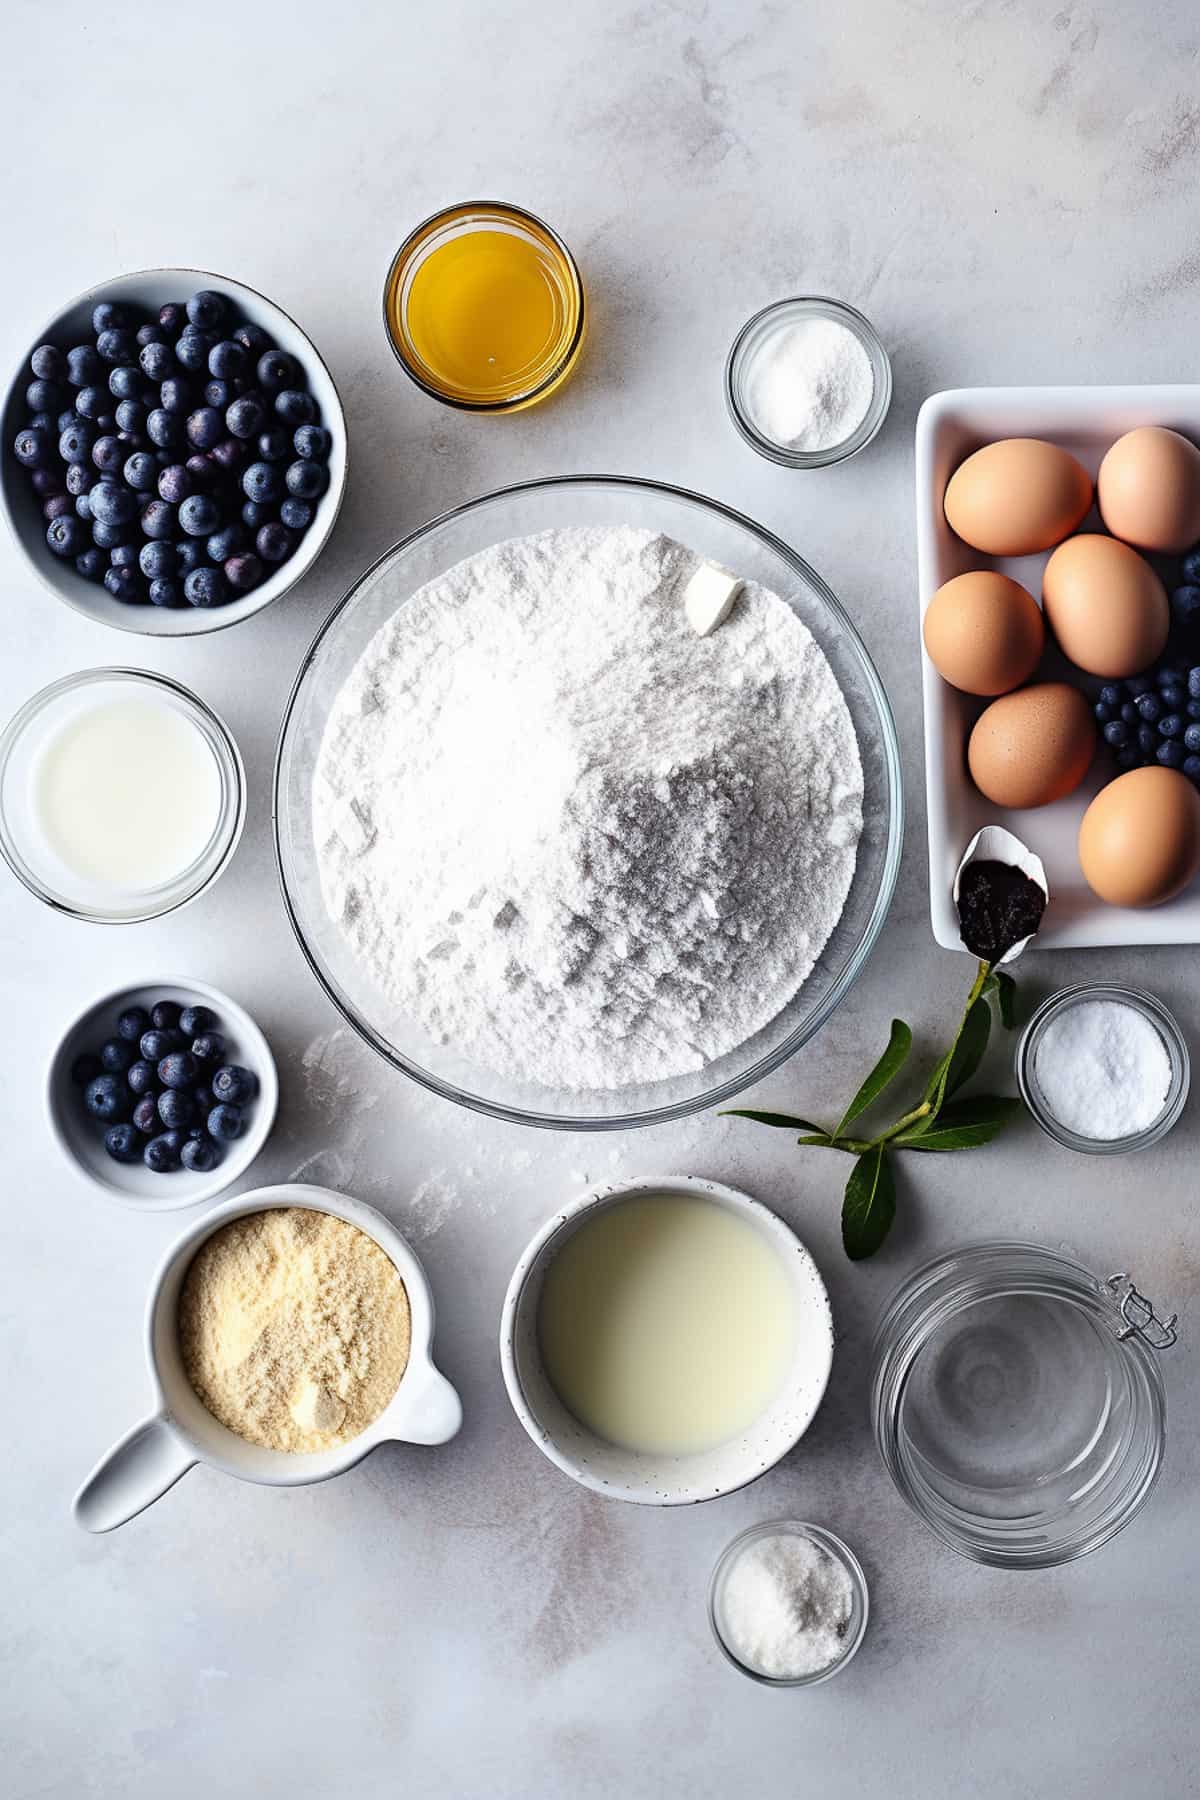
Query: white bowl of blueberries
[(162, 1094), (174, 453)]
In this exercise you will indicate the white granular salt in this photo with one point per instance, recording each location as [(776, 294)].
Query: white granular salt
[(810, 385), (1103, 1070), (571, 838), (785, 1607)]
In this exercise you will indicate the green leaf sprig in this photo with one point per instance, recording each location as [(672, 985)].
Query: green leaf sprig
[(937, 1122)]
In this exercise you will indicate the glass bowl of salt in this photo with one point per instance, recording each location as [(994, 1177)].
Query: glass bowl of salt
[(808, 382), (1103, 1069), (788, 1603)]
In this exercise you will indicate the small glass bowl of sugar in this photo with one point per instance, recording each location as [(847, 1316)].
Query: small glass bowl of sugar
[(1103, 1069), (808, 382), (788, 1603)]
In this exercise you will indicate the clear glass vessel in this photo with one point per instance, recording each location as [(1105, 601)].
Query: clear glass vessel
[(825, 1540), (753, 338), (1017, 1402), (1156, 1014)]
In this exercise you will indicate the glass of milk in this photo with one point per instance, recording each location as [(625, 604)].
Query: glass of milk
[(122, 796)]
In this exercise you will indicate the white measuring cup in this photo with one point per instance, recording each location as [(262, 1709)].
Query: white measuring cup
[(181, 1431)]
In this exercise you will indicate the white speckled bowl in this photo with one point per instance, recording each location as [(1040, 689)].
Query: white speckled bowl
[(632, 1475)]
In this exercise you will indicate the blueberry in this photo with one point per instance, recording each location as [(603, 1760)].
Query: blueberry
[(108, 453), (157, 559), (158, 520), (1170, 753), (124, 382), (1185, 603), (1167, 675), (253, 338), (1149, 707), (273, 542), (106, 1097), (83, 366), (190, 552), (256, 513), (142, 1076), (207, 310), (235, 1084), (1191, 739), (131, 418), (307, 480), (80, 478), (90, 402), (66, 536), (112, 504), (156, 361), (243, 571), (229, 454), (31, 447), (123, 1143), (1170, 725), (149, 334), (1191, 768), (85, 1068), (246, 417), (49, 362), (205, 427), (1147, 739), (176, 1110), (202, 472), (116, 1055), (225, 1123), (57, 506), (45, 482), (205, 586), (275, 445), (124, 556), (222, 544), (65, 418), (192, 351), (164, 428), (199, 515), (208, 1047), (140, 471), (1127, 758), (125, 584), (227, 359), (1190, 566), (200, 1155), (178, 1070), (165, 591), (145, 1115), (109, 315), (115, 345), (176, 395), (44, 396), (218, 394), (75, 444), (297, 516), (172, 316), (175, 483), (165, 1015), (161, 1154), (262, 483), (106, 537), (92, 562), (295, 407)]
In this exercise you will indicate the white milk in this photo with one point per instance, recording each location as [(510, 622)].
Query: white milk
[(126, 792), (667, 1324)]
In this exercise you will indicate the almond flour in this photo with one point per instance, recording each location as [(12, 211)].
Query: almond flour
[(294, 1328)]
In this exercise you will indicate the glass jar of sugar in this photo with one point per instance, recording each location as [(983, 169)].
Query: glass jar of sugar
[(788, 1603), (808, 382), (1103, 1069)]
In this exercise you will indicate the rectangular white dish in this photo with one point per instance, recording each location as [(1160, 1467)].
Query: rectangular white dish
[(1085, 421)]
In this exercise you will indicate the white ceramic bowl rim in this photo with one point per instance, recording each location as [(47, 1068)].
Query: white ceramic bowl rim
[(665, 1481)]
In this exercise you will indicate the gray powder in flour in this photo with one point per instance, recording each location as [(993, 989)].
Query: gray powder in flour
[(574, 840)]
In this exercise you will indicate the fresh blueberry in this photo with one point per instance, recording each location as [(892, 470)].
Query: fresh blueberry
[(80, 478), (178, 1070), (165, 1015), (253, 338), (295, 407), (106, 1097), (225, 1123), (275, 370), (229, 454), (200, 1155), (1170, 753), (85, 1068), (199, 515), (273, 542), (1170, 725), (176, 1110), (112, 504), (92, 562), (108, 453), (202, 474), (222, 544), (275, 445), (207, 310), (123, 1143), (262, 483), (172, 317), (125, 584), (205, 586), (140, 471), (1191, 768), (195, 1019), (1149, 707), (84, 367), (142, 1077), (190, 552), (90, 402), (57, 506), (124, 556), (66, 536), (192, 351), (165, 591), (234, 1084), (176, 395), (131, 421), (115, 345), (175, 483), (1127, 758), (1191, 739), (117, 1054), (208, 1047), (1190, 568), (243, 571), (218, 394), (256, 513), (107, 537), (1167, 675), (1185, 603), (44, 396), (246, 417), (125, 382), (161, 1154), (156, 361), (158, 520), (307, 480), (75, 444), (109, 315), (145, 1115), (31, 447), (49, 362), (1147, 739), (157, 559), (45, 482), (67, 417), (205, 427), (297, 516), (227, 359), (157, 1043), (149, 334), (164, 428)]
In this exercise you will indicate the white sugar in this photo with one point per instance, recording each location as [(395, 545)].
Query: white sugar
[(1103, 1070), (785, 1607)]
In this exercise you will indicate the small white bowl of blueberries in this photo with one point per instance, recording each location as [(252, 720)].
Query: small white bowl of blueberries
[(163, 1094), (174, 453)]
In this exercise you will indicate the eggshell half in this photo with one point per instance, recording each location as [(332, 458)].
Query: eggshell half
[(1139, 840), (1105, 605), (1017, 496), (1149, 489)]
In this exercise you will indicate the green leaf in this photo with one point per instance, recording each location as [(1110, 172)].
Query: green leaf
[(889, 1065), (968, 1051), (963, 1124), (784, 1121), (1006, 998), (869, 1205)]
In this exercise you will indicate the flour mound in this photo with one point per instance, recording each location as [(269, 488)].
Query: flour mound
[(571, 838)]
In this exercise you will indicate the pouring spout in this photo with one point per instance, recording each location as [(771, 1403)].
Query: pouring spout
[(430, 1412)]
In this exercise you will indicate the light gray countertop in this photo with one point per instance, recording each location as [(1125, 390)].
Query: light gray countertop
[(1009, 192)]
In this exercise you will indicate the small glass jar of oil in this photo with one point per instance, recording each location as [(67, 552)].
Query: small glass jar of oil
[(484, 307)]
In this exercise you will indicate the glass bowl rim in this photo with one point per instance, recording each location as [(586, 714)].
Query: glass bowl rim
[(826, 1540), (825, 306), (557, 369), (855, 960), (1151, 1008), (229, 825)]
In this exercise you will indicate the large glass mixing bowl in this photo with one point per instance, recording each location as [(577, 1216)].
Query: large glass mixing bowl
[(715, 532)]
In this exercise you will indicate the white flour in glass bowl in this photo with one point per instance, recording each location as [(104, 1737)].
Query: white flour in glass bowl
[(572, 838)]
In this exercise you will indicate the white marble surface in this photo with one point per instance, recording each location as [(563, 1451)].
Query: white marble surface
[(1009, 191)]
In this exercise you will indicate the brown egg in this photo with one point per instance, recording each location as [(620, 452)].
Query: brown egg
[(1149, 489), (1032, 747), (1139, 842), (1105, 605), (1017, 496), (983, 632)]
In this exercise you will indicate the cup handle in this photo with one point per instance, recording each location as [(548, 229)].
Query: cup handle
[(432, 1410), (138, 1469)]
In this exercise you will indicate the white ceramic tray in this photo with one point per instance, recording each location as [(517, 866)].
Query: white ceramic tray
[(1084, 421)]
